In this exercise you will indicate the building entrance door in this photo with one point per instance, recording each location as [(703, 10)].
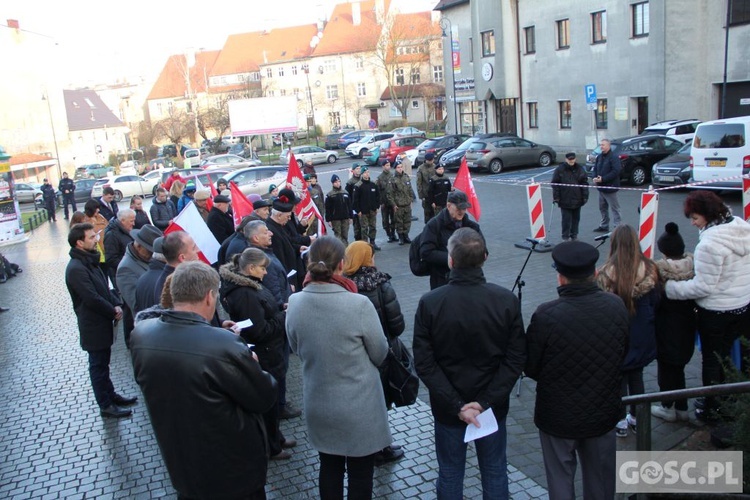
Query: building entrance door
[(505, 116)]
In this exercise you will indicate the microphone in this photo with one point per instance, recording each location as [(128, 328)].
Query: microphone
[(533, 241), (603, 237)]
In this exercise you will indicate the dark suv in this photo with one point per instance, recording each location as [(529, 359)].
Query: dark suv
[(438, 146), (637, 155)]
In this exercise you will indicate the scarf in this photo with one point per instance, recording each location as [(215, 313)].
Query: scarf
[(336, 279)]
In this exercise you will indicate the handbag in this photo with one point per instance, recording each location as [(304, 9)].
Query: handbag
[(402, 382)]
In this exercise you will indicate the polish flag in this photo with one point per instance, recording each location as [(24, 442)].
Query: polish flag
[(200, 187), (241, 206), (190, 221), (305, 208), (463, 183)]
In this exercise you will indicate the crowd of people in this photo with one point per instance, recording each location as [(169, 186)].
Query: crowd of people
[(217, 340)]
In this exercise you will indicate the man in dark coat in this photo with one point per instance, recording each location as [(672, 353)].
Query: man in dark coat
[(339, 210), (469, 349), (438, 189), (366, 203), (183, 363), (67, 188), (107, 205), (576, 348), (437, 232), (162, 209), (607, 178), (570, 198), (282, 244), (141, 217), (96, 309), (116, 240), (220, 221), (50, 200)]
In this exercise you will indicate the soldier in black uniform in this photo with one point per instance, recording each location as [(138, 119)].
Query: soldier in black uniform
[(438, 189), (67, 187), (338, 210), (49, 195), (366, 203)]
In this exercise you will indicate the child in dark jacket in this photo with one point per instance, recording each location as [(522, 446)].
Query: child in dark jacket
[(675, 325)]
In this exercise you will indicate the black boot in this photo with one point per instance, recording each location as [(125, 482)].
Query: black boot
[(392, 237), (402, 239), (374, 245), (406, 238)]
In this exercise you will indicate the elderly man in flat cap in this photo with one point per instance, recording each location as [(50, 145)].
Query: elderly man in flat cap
[(220, 220), (576, 347)]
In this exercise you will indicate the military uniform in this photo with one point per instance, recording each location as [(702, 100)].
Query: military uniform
[(366, 203), (67, 188), (386, 209), (353, 180), (400, 196), (338, 208), (437, 191), (424, 173)]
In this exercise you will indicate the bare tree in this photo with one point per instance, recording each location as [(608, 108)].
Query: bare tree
[(175, 127)]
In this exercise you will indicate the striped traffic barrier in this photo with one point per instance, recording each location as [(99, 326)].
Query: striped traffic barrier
[(647, 224), (746, 198), (538, 240)]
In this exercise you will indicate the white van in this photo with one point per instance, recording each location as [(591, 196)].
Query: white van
[(721, 153)]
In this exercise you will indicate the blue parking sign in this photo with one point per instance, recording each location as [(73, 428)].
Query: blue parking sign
[(590, 91)]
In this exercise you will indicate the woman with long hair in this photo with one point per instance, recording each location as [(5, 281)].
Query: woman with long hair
[(244, 297), (337, 335), (720, 287), (359, 266), (175, 192), (635, 279)]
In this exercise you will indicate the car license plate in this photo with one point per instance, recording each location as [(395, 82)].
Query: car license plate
[(717, 163), (665, 178)]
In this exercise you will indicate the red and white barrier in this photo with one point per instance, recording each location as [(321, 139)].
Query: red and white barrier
[(746, 198), (536, 211), (647, 225)]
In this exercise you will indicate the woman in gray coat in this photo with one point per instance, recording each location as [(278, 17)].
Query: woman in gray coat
[(337, 335)]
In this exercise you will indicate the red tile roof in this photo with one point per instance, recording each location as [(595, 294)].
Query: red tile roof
[(419, 90), (341, 36), (416, 26), (23, 158), (171, 81)]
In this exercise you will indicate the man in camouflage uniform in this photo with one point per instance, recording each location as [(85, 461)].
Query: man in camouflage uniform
[(386, 209), (366, 203), (338, 210), (353, 180), (400, 196), (425, 172)]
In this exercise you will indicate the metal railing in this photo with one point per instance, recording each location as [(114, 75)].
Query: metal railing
[(643, 405)]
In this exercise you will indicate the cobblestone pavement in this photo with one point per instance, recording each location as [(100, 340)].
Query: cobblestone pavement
[(54, 444)]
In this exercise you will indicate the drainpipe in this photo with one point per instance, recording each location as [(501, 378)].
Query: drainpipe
[(520, 78)]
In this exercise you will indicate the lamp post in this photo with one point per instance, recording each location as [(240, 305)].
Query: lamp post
[(45, 97), (446, 26), (306, 69)]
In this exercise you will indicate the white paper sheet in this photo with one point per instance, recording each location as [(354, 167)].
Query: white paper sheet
[(244, 324), (488, 424)]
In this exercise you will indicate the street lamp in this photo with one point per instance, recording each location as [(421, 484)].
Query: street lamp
[(306, 69), (446, 26), (54, 136)]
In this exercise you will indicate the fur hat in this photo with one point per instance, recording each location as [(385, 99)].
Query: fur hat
[(285, 201), (670, 243)]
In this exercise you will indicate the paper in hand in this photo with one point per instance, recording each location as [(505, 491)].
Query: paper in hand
[(489, 425), (291, 273), (241, 325)]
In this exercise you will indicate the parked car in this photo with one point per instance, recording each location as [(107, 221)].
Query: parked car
[(354, 136), (167, 151), (131, 167), (257, 180), (27, 192), (451, 160), (357, 149), (160, 164), (720, 151), (192, 157), (681, 130), (390, 148), (439, 145), (409, 131), (342, 129), (637, 155), (184, 173), (304, 153), (93, 171), (332, 140), (675, 169), (228, 161), (126, 186), (496, 154), (372, 157), (242, 149), (288, 137), (208, 177)]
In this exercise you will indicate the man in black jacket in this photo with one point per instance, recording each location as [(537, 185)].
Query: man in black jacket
[(469, 363), (366, 204), (339, 210), (162, 209), (570, 198), (174, 357), (220, 220), (435, 235), (107, 205), (607, 177), (576, 347), (116, 240), (68, 188), (96, 309), (50, 200)]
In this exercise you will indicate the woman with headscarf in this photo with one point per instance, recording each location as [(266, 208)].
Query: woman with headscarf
[(337, 335), (359, 266), (635, 279)]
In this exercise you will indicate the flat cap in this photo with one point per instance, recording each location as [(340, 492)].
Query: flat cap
[(575, 259)]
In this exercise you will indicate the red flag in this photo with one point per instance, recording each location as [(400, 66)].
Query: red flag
[(190, 221), (241, 206), (463, 183), (306, 207)]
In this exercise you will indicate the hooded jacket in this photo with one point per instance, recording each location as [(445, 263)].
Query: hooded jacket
[(722, 267), (675, 319), (376, 286), (115, 243)]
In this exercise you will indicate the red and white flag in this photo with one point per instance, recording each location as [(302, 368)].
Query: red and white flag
[(241, 206), (306, 207), (463, 183), (190, 221)]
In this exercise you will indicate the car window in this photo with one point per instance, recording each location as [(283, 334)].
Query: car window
[(243, 178), (478, 145), (720, 136), (127, 178), (672, 145), (23, 186), (521, 143), (504, 143)]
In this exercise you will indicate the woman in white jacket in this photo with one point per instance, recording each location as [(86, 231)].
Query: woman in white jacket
[(721, 287)]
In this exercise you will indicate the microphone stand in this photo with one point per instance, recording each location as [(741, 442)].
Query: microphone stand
[(520, 283), (602, 239)]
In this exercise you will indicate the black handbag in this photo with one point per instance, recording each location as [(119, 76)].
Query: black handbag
[(402, 382)]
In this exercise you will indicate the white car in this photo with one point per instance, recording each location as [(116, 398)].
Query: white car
[(314, 153), (412, 155), (366, 143), (228, 161), (681, 130), (409, 131), (256, 180), (192, 158), (126, 186)]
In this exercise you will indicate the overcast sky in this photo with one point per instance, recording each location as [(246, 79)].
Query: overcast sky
[(103, 41)]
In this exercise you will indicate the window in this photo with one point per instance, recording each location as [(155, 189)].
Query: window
[(599, 27), (415, 75), (488, 43), (170, 107), (361, 90), (563, 34), (295, 91), (437, 74), (601, 113), (269, 72), (332, 92), (640, 19), (334, 118), (189, 107), (158, 109), (294, 70), (415, 104), (281, 71), (359, 63), (533, 115), (739, 12), (282, 92), (399, 76), (565, 114), (529, 36), (269, 93), (330, 65)]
